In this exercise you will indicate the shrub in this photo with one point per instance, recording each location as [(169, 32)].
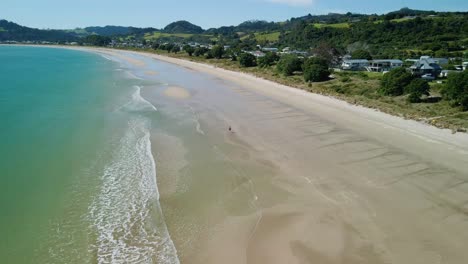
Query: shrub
[(288, 64), (217, 51), (200, 51), (269, 59), (315, 70), (416, 89), (189, 49), (345, 79), (175, 49), (456, 89), (361, 54), (247, 60), (394, 82)]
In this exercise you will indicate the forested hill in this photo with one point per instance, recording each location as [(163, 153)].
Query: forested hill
[(183, 27), (399, 34), (12, 31), (386, 38), (117, 30)]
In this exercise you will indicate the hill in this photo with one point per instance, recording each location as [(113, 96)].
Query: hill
[(117, 30), (184, 27), (14, 32)]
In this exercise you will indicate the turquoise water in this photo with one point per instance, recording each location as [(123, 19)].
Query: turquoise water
[(76, 172)]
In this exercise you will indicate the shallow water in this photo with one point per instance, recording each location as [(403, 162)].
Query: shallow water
[(77, 173)]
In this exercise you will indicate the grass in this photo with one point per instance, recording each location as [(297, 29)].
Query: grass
[(337, 25), (360, 88), (2, 29), (157, 35), (271, 37)]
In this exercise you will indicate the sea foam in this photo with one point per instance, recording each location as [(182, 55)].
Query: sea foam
[(126, 218)]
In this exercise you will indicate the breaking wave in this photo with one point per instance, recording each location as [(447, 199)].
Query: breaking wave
[(127, 224)]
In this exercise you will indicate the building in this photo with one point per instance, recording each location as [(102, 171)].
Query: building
[(426, 65), (257, 53), (354, 65), (383, 65), (465, 65), (270, 49)]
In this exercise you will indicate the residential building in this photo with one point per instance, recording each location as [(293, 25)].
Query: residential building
[(426, 65), (270, 49), (354, 65), (383, 65)]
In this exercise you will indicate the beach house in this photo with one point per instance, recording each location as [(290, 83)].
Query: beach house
[(426, 66), (354, 65), (383, 65)]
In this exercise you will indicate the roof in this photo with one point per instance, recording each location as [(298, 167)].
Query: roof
[(391, 61), (356, 61), (426, 64)]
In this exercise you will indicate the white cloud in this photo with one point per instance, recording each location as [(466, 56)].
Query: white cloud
[(293, 2)]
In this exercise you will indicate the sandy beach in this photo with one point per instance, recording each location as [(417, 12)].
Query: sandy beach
[(301, 178)]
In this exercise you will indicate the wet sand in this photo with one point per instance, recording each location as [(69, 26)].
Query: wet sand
[(302, 178)]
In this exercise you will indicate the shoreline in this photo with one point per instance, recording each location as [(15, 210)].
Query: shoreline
[(303, 177), (211, 69)]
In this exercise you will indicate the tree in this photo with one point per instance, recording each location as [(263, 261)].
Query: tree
[(189, 49), (361, 54), (247, 60), (394, 82), (269, 59), (416, 88), (155, 46), (217, 51), (315, 70), (456, 89), (288, 64), (175, 49), (200, 51), (327, 52), (96, 40)]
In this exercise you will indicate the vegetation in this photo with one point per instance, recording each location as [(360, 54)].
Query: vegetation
[(189, 49), (247, 60), (361, 54), (217, 51), (394, 82), (315, 70), (96, 40), (456, 89), (417, 88), (183, 27), (268, 60), (288, 64)]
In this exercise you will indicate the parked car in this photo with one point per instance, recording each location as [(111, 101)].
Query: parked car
[(428, 77)]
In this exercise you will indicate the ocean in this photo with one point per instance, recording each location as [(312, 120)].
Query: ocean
[(77, 174)]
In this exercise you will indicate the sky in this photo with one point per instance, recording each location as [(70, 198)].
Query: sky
[(65, 14)]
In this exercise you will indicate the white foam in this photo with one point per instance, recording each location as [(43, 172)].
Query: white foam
[(126, 219), (138, 103)]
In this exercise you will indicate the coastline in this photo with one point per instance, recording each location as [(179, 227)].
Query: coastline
[(316, 178)]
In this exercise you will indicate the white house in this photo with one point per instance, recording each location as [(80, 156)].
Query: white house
[(354, 64), (383, 65)]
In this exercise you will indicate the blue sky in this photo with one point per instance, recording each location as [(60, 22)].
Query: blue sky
[(206, 13)]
